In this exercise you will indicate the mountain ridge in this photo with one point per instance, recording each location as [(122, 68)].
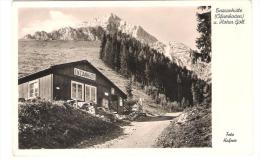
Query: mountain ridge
[(93, 30)]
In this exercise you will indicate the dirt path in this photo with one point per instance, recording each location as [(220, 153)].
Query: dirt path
[(140, 134)]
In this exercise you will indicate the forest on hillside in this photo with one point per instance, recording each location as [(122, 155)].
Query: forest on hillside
[(156, 73)]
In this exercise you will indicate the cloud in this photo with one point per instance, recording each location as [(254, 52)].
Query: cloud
[(55, 20)]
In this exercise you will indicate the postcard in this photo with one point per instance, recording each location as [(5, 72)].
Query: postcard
[(144, 77)]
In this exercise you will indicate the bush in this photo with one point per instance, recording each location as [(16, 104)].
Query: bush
[(106, 115), (46, 124), (137, 116), (191, 129), (129, 105), (174, 106)]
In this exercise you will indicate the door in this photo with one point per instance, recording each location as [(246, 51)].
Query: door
[(105, 103)]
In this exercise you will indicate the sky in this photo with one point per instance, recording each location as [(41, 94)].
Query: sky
[(165, 23)]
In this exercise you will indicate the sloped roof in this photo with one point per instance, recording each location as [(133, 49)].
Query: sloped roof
[(49, 70)]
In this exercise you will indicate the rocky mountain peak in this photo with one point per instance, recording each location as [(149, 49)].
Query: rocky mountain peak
[(180, 54), (102, 21), (113, 17), (112, 22), (183, 56), (40, 35)]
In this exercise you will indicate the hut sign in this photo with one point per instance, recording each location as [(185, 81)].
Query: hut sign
[(84, 74)]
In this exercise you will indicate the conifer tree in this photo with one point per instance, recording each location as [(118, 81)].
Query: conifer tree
[(116, 61), (102, 46), (108, 51), (123, 60), (129, 89), (147, 73), (204, 28)]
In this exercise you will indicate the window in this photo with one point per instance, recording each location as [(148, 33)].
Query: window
[(77, 91), (87, 94), (120, 102), (91, 93), (33, 88), (112, 91)]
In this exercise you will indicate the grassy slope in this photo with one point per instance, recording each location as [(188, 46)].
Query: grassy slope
[(44, 124), (37, 55), (191, 129)]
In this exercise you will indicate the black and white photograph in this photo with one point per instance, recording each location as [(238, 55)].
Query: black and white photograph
[(114, 77), (129, 79)]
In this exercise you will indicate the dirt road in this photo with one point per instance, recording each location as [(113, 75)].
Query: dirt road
[(140, 134)]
